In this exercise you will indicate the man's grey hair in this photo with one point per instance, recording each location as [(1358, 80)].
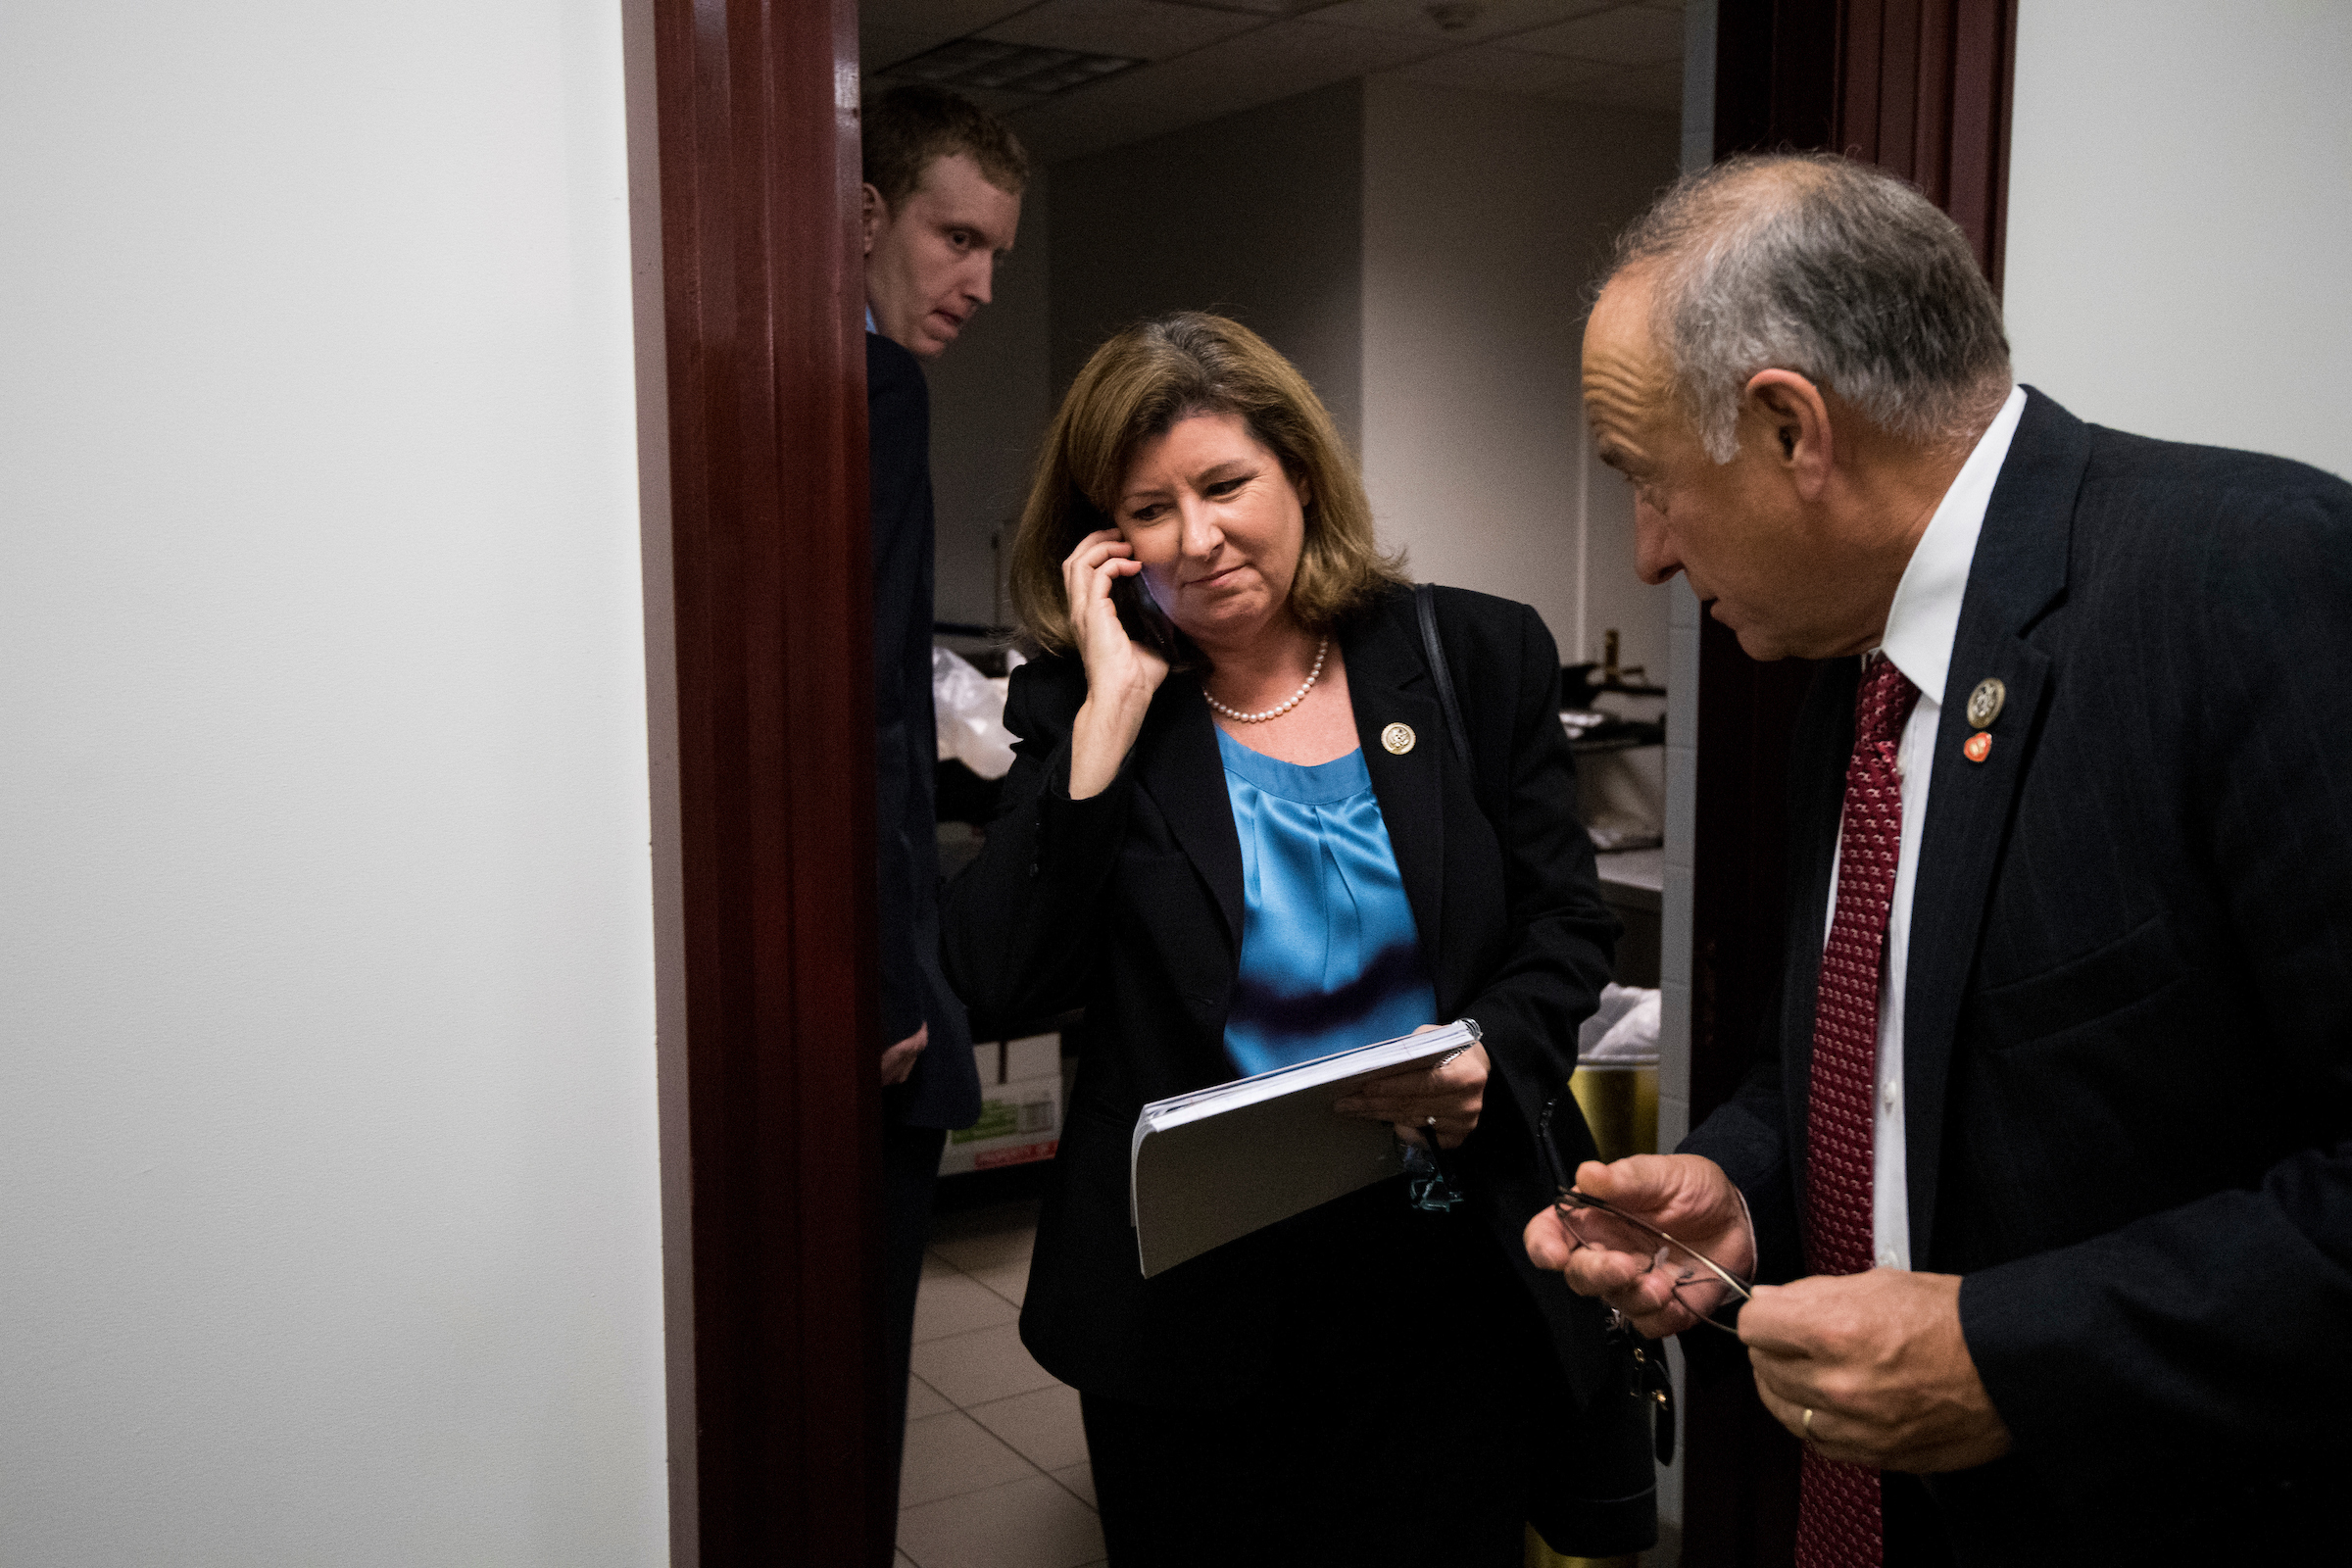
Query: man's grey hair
[(1813, 263)]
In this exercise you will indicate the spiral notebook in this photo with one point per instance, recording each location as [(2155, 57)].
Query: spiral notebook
[(1212, 1166)]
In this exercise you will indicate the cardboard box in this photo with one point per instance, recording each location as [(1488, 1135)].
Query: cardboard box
[(1020, 1107), (1035, 1056)]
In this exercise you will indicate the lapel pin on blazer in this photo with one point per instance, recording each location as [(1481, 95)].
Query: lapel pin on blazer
[(1983, 707), (1984, 703), (1398, 738)]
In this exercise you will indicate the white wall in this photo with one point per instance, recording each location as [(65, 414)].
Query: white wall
[(1475, 271), (326, 1072), (2181, 218)]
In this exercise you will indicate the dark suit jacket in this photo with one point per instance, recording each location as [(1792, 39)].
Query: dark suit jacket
[(943, 1090), (1131, 903), (2128, 1037)]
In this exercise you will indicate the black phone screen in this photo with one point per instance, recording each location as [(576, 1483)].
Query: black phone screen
[(1147, 624)]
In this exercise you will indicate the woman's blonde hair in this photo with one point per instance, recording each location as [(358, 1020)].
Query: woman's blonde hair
[(1138, 385)]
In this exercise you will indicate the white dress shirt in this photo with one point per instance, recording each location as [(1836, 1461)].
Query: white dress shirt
[(1921, 626)]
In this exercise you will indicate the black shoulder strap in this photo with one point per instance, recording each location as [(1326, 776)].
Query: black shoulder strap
[(1425, 605)]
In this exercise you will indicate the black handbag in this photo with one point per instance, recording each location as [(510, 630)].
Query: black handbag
[(1573, 1522)]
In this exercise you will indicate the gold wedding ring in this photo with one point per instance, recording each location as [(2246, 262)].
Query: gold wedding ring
[(1807, 1423)]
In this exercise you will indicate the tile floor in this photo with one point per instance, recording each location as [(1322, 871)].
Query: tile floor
[(996, 1473)]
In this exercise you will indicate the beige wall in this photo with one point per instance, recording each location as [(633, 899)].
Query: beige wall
[(990, 397), (1258, 215), (1484, 220), (1423, 254)]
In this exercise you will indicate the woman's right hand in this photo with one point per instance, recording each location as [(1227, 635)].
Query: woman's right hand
[(1120, 676)]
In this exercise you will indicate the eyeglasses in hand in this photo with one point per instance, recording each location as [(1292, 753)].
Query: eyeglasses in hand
[(1706, 1289)]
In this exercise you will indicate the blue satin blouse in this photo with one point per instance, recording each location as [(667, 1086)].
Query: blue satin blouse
[(1330, 956)]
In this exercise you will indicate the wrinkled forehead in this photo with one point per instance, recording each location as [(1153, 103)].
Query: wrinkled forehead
[(1623, 324), (1626, 378)]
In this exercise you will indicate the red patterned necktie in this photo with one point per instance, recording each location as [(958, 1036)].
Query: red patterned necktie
[(1838, 1521)]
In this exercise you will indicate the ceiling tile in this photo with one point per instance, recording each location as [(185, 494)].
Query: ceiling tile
[(1493, 68), (1143, 30), (1628, 35), (1275, 62), (995, 102), (1086, 119), (1658, 88), (878, 47), (935, 21), (1473, 21), (1260, 8), (1028, 68)]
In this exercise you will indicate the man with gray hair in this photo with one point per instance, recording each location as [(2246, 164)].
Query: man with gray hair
[(2048, 1152)]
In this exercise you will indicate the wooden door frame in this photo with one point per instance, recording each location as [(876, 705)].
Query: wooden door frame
[(760, 614), (760, 664), (1921, 88)]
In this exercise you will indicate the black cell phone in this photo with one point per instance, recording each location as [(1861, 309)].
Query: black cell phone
[(1147, 624)]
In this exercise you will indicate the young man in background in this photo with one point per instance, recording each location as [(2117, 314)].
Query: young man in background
[(941, 202)]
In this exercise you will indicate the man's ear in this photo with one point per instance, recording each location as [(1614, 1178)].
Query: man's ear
[(1797, 418), (873, 213)]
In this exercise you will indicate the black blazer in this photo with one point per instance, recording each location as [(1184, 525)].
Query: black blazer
[(2127, 1033), (944, 1089), (1130, 903)]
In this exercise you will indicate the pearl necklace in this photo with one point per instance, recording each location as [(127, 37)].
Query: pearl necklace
[(1297, 696)]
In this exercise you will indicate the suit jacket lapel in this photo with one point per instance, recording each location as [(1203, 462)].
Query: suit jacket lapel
[(1387, 683), (1183, 773), (2019, 571)]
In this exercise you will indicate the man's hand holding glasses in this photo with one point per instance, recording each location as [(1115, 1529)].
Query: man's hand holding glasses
[(1664, 1239), (1870, 1368)]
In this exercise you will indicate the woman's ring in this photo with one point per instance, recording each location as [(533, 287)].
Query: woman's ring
[(1432, 1122), (1807, 1423)]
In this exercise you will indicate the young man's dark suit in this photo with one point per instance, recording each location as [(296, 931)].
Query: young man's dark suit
[(943, 1090), (2127, 1040)]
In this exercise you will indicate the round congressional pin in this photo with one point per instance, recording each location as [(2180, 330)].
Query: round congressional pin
[(1398, 738), (1985, 704), (1977, 746)]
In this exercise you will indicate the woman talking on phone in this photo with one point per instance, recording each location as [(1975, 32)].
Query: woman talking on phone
[(1240, 834)]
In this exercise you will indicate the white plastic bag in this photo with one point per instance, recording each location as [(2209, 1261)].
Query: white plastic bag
[(970, 711), (1625, 1031)]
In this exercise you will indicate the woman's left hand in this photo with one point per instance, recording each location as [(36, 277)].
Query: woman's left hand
[(1453, 1094)]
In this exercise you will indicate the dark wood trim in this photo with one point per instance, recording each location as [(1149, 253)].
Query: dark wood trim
[(1921, 88), (1775, 74), (766, 362)]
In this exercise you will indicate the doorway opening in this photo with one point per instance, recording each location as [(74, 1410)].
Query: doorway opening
[(1409, 200)]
